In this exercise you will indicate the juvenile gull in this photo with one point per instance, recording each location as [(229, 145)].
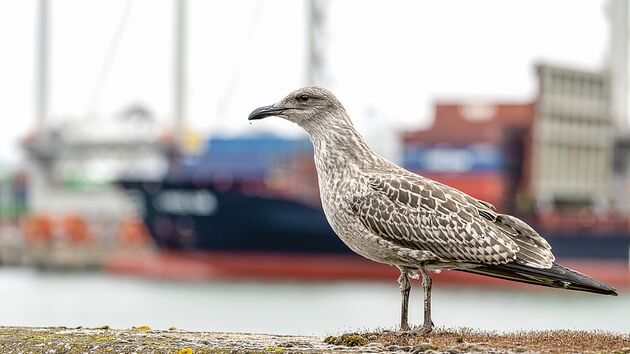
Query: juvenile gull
[(390, 215)]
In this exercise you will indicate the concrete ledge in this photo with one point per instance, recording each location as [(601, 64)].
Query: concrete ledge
[(144, 340)]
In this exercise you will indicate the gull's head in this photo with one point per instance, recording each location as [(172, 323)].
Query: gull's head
[(307, 106)]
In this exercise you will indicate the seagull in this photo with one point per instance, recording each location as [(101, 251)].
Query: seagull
[(392, 216)]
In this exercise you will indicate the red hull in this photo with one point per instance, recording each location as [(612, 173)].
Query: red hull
[(305, 267)]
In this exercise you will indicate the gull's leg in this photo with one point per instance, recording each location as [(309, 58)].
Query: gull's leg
[(427, 326), (405, 287)]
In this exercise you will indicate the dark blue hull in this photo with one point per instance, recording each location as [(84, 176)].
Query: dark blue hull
[(208, 219), (589, 245)]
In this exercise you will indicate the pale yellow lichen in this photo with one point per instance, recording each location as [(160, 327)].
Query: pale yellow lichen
[(101, 339), (141, 328), (274, 349)]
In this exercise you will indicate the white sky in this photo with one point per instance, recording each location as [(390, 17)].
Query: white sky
[(391, 58)]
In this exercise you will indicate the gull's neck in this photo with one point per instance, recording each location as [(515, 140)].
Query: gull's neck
[(340, 151)]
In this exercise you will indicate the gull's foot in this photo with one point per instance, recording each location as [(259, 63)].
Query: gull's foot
[(404, 328), (422, 331), (406, 331)]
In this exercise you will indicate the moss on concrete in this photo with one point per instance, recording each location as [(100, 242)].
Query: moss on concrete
[(348, 339)]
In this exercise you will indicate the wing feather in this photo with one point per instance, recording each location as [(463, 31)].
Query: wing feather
[(534, 250), (421, 214)]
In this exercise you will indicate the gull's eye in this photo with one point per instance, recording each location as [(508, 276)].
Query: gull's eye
[(303, 97)]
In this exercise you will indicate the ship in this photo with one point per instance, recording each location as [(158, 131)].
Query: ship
[(247, 194)]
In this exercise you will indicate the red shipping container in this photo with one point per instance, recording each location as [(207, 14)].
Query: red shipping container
[(459, 123)]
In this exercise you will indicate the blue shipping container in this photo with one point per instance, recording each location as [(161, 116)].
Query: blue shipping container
[(243, 157), (454, 159), (265, 144)]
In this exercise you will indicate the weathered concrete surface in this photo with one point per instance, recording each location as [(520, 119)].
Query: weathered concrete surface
[(144, 340)]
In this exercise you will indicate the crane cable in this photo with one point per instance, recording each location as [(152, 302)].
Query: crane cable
[(103, 75), (237, 69)]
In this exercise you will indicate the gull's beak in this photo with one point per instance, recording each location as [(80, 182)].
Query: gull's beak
[(266, 111)]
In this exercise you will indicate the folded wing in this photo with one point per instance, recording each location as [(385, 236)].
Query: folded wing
[(418, 213)]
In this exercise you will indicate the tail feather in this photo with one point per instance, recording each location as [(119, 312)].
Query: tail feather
[(556, 277)]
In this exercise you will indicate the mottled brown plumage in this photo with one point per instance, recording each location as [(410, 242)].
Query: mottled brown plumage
[(390, 215)]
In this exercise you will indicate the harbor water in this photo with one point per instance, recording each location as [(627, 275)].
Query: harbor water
[(94, 299)]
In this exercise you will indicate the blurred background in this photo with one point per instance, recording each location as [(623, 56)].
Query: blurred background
[(133, 191)]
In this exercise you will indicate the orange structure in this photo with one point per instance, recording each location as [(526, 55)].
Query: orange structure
[(37, 230), (75, 228), (132, 233)]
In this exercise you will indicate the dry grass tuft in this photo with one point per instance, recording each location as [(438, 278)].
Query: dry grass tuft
[(466, 340)]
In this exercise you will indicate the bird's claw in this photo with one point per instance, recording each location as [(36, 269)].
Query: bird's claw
[(424, 330), (403, 329), (407, 331)]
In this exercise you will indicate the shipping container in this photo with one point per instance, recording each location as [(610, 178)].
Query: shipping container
[(13, 194), (445, 158), (470, 123), (258, 144), (572, 138), (242, 157)]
